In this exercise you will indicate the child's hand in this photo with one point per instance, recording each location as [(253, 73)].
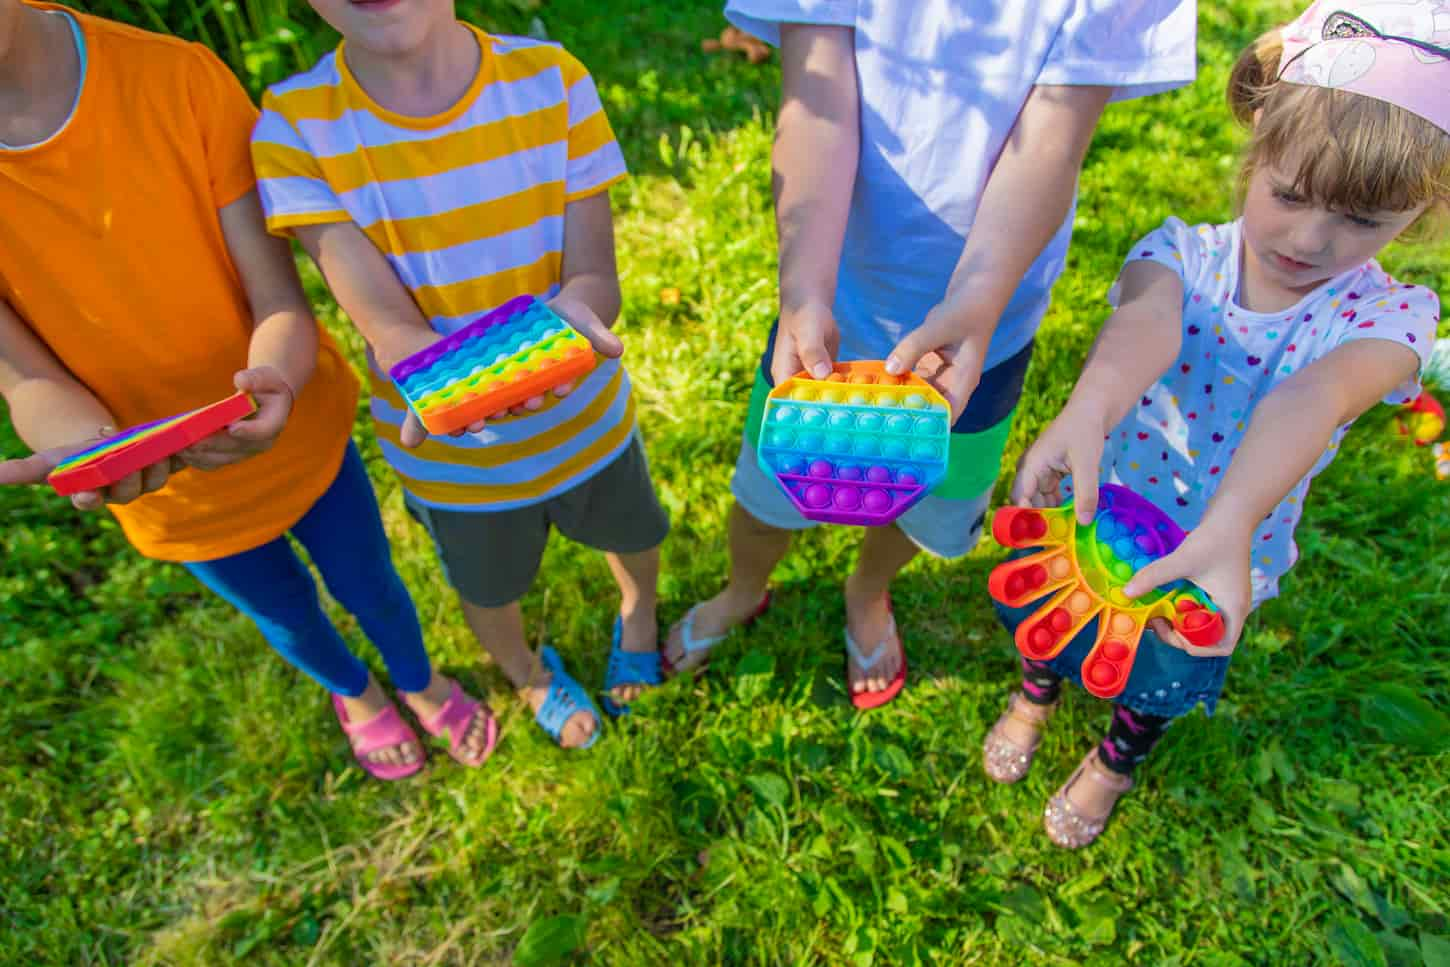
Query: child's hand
[(1218, 562), (1072, 445), (806, 339), (947, 350), (252, 435), (36, 467)]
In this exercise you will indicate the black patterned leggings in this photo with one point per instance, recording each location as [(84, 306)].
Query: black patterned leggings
[(1131, 736)]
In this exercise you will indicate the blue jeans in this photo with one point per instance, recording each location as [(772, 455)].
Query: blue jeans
[(343, 533), (1165, 681)]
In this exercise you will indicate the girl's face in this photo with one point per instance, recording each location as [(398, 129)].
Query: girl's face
[(384, 28), (1294, 244)]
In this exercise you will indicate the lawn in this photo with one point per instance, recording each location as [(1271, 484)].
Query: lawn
[(175, 793)]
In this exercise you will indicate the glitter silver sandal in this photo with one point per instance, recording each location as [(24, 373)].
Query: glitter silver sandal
[(1005, 759), (1072, 827)]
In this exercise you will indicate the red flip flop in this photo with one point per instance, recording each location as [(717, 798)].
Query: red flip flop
[(693, 644), (868, 700)]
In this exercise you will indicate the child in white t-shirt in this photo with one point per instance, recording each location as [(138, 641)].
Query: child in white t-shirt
[(1236, 359), (909, 137)]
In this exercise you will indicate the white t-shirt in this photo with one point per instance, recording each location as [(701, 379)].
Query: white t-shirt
[(1176, 444), (941, 83)]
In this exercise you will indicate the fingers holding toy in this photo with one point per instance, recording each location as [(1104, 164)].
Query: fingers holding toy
[(948, 351), (37, 467), (1220, 569), (253, 434), (587, 323), (806, 340), (1067, 448)]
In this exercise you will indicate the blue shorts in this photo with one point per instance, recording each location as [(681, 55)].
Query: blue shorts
[(1165, 681)]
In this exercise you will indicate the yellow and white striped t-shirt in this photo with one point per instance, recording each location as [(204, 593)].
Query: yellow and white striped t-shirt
[(468, 207)]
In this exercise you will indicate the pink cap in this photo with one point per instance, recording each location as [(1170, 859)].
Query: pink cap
[(1392, 50)]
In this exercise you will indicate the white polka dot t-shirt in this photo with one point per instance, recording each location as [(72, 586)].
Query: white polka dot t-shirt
[(1176, 444)]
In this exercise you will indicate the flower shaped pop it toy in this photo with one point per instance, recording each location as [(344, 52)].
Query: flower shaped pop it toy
[(140, 446), (516, 352), (858, 447), (1080, 573)]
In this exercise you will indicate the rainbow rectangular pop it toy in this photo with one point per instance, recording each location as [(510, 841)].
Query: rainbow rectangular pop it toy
[(138, 447), (518, 351), (1080, 574), (859, 447)]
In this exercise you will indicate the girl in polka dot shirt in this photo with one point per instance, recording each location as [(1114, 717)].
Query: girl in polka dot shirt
[(1238, 355)]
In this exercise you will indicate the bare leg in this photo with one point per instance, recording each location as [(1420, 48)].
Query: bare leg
[(501, 632), (755, 549), (884, 552), (638, 577)]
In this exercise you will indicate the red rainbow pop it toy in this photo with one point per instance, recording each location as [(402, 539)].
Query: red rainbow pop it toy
[(137, 447), (1079, 574)]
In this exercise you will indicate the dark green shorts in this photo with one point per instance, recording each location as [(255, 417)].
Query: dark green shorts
[(492, 557)]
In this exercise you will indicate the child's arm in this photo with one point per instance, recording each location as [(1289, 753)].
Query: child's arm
[(57, 416), (1136, 345), (283, 349), (588, 297), (370, 292), (1287, 433), (1026, 198), (817, 145)]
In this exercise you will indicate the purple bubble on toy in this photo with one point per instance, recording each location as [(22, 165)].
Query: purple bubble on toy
[(792, 465), (847, 498), (908, 478), (878, 474), (817, 495), (820, 468), (877, 501), (848, 471)]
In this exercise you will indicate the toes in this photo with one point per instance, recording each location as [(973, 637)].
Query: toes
[(578, 730)]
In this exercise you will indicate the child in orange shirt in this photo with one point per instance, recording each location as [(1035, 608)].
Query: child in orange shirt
[(126, 153)]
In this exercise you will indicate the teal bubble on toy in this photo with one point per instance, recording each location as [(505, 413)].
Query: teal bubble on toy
[(869, 421), (894, 450), (786, 414), (898, 424), (838, 443), (842, 418), (813, 416), (925, 450)]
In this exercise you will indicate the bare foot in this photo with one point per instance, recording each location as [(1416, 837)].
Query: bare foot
[(640, 635), (430, 701), (709, 622), (868, 619), (368, 706)]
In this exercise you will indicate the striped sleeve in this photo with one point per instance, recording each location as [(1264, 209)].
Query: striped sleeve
[(289, 178), (595, 161)]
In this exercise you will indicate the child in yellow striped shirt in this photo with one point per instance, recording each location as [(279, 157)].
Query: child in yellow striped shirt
[(433, 172)]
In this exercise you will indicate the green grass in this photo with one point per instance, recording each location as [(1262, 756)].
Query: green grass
[(174, 793)]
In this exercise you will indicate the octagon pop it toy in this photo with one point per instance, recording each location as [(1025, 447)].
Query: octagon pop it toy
[(1080, 573), (138, 447), (859, 447), (518, 351)]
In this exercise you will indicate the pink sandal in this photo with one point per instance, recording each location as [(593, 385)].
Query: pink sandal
[(386, 730), (455, 719)]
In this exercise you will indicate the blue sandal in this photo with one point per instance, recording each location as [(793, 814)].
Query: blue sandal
[(566, 698), (627, 668)]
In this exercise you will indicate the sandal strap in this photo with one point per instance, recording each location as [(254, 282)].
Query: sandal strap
[(1112, 782), (565, 698), (383, 731), (455, 717), (1030, 713), (630, 667), (864, 663)]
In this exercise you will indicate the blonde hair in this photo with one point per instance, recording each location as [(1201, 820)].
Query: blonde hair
[(1355, 153)]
